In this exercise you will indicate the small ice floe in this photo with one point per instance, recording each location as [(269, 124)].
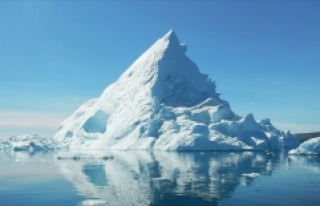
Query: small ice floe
[(251, 175), (94, 202), (309, 147)]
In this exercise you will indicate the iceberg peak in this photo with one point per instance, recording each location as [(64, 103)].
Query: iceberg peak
[(170, 36), (169, 43)]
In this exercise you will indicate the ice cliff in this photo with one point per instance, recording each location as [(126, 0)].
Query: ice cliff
[(163, 102)]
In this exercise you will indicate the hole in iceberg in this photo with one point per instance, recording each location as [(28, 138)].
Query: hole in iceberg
[(97, 123)]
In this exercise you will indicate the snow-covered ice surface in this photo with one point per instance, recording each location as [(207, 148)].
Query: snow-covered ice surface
[(28, 142), (163, 102), (311, 146)]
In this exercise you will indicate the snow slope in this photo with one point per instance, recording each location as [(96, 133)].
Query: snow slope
[(163, 102)]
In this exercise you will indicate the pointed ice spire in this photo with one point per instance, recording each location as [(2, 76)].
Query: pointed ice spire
[(171, 36), (172, 42)]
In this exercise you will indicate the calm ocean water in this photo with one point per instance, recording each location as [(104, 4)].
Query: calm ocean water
[(160, 178)]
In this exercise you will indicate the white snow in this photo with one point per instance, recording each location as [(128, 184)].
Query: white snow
[(311, 146), (163, 102), (29, 142)]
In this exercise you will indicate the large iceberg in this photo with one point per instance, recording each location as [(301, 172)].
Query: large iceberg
[(163, 102)]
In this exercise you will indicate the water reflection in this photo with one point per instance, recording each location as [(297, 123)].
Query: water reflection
[(96, 174), (167, 178), (310, 162), (158, 178)]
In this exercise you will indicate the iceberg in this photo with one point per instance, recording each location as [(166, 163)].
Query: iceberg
[(163, 102), (29, 142), (311, 146)]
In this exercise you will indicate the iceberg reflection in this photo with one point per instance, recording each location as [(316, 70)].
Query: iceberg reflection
[(158, 178), (96, 174), (162, 178)]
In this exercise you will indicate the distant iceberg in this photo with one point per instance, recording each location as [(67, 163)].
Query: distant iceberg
[(163, 102), (28, 142), (311, 146)]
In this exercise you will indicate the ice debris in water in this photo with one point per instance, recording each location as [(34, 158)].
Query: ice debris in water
[(251, 175)]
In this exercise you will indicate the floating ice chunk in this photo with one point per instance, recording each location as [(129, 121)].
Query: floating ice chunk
[(251, 175), (312, 146), (30, 142)]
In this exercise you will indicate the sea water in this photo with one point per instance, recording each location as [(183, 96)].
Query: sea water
[(159, 178)]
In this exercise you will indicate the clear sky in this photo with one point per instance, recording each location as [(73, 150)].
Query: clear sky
[(54, 55)]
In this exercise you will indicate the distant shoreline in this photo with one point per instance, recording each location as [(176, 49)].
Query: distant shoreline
[(305, 136)]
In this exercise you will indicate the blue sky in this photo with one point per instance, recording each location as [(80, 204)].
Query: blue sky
[(54, 55)]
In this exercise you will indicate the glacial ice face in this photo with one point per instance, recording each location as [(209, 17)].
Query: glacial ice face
[(163, 102)]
